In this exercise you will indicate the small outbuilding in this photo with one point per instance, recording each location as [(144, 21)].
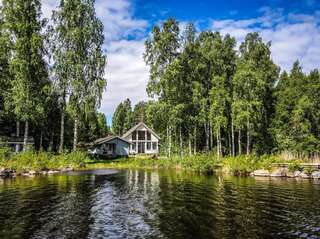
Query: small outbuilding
[(110, 146)]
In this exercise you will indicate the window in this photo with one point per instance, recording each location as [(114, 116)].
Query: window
[(154, 145), (148, 145), (148, 135), (133, 146), (134, 135), (141, 135)]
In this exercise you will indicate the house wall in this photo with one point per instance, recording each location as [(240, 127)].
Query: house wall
[(122, 148), (147, 151)]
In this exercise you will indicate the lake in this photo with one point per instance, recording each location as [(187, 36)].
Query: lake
[(158, 204)]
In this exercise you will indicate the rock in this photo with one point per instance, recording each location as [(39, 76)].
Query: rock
[(6, 172), (304, 175), (281, 172), (297, 173), (316, 175), (52, 171), (2, 171), (32, 172), (261, 173), (68, 169)]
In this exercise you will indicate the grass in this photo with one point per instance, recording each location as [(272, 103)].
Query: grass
[(201, 163), (30, 160)]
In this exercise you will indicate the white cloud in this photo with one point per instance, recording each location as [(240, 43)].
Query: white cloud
[(127, 74), (293, 36)]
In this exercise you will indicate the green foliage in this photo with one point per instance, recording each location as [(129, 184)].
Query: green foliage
[(42, 161), (241, 165), (295, 166)]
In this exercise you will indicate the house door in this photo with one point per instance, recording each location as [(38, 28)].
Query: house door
[(141, 148)]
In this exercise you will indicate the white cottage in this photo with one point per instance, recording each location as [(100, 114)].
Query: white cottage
[(143, 140)]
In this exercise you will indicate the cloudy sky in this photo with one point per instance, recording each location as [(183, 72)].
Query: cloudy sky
[(293, 27)]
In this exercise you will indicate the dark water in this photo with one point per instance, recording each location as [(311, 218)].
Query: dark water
[(151, 204)]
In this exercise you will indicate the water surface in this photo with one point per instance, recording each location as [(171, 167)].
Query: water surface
[(158, 204)]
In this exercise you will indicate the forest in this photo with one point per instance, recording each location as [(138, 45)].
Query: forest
[(207, 93), (51, 74), (210, 95)]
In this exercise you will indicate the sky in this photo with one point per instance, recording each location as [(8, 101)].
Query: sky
[(292, 26)]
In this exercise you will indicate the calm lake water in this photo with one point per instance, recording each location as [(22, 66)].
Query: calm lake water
[(152, 204)]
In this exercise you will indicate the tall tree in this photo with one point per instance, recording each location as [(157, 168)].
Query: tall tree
[(5, 55), (79, 59), (161, 49), (28, 86)]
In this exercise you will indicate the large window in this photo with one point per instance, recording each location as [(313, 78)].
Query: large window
[(148, 135), (134, 135), (133, 146), (148, 145), (154, 145), (141, 135)]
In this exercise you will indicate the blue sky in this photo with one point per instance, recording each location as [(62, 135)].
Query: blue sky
[(293, 27)]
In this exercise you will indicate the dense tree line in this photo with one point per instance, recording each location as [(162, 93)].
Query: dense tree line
[(125, 117), (51, 75), (211, 96)]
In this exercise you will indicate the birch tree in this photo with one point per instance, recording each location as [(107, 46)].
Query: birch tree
[(79, 60), (28, 69)]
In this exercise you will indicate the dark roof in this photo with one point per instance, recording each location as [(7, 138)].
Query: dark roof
[(136, 127), (16, 140), (107, 139)]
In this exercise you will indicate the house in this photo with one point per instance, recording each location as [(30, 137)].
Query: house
[(143, 140), (110, 146), (16, 142)]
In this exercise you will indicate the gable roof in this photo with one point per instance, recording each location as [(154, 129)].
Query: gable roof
[(109, 138), (130, 131)]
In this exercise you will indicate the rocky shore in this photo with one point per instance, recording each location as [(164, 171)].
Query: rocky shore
[(6, 173), (284, 172)]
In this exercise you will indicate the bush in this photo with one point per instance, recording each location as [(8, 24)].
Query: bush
[(31, 160), (240, 165), (295, 166)]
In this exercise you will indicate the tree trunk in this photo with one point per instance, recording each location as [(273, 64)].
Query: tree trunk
[(218, 144), (207, 135), (239, 142), (51, 141), (211, 136), (181, 143), (169, 141), (248, 136), (189, 143), (17, 135), (195, 141), (232, 139), (61, 145), (25, 138), (75, 134), (41, 139)]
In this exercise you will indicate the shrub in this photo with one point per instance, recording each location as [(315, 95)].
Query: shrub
[(295, 166), (240, 165)]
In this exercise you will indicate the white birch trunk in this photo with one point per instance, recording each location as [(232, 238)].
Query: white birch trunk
[(61, 145), (75, 134), (25, 138), (17, 135), (239, 142)]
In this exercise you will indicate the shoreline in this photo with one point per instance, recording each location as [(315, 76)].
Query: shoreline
[(242, 166)]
